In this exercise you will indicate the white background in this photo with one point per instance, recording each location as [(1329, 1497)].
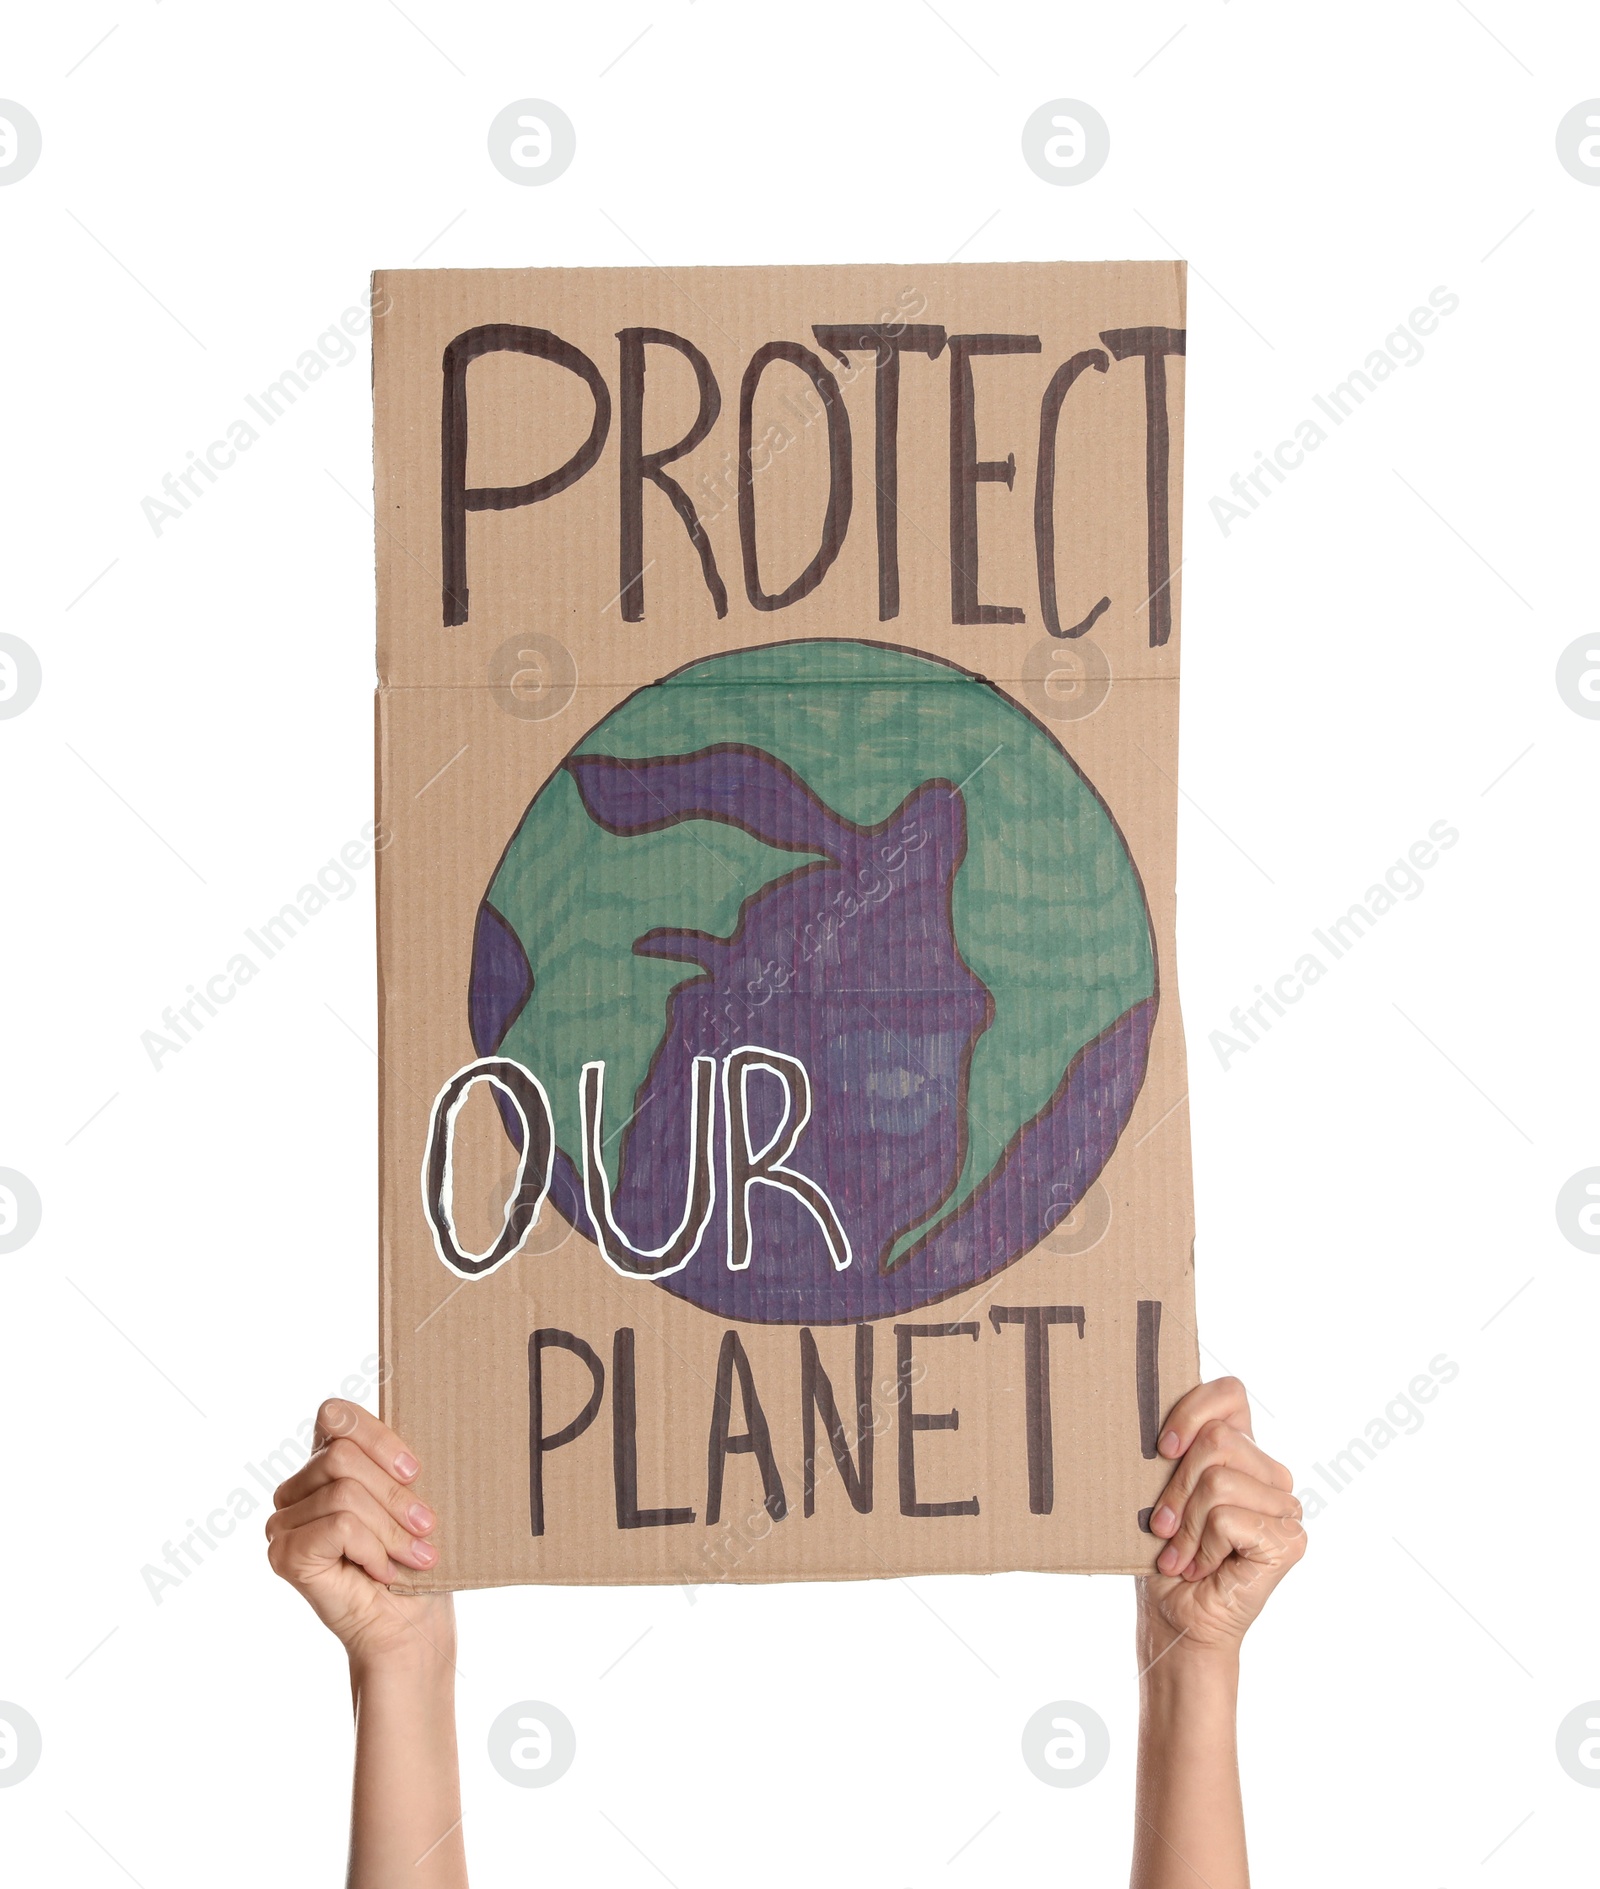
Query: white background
[(1367, 654)]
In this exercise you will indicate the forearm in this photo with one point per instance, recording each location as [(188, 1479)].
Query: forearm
[(1188, 1817), (405, 1819)]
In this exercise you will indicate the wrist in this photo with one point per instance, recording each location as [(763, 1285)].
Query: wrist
[(1193, 1655), (1189, 1676), (401, 1662), (422, 1657)]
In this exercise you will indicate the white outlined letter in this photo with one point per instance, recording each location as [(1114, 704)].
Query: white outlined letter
[(750, 1167), (526, 1095), (700, 1188)]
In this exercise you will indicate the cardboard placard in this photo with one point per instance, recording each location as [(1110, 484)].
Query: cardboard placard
[(784, 1172)]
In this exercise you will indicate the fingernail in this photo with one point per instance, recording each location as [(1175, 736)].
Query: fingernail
[(420, 1517), (1171, 1444), (1167, 1560), (1163, 1521), (423, 1554), (406, 1465)]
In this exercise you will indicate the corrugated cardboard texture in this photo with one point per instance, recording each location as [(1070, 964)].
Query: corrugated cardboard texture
[(818, 783)]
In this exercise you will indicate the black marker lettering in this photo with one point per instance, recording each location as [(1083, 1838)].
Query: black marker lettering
[(836, 520), (1147, 1376), (912, 1420), (637, 465), (625, 1443), (457, 498), (540, 1445), (888, 341), (756, 1440), (1036, 1321), (968, 471), (816, 1397), (1044, 490), (1154, 344)]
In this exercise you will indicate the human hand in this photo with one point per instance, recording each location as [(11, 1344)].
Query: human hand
[(346, 1525), (1231, 1523)]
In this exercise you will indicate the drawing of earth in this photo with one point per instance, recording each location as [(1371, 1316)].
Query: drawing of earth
[(865, 859)]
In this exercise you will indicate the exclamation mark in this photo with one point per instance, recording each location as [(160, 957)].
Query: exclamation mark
[(1147, 1384)]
